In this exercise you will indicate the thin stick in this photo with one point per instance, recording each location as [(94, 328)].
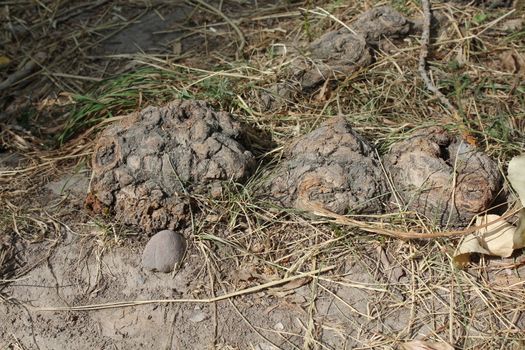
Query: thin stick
[(26, 70), (73, 76), (200, 301), (317, 209), (425, 41), (323, 13)]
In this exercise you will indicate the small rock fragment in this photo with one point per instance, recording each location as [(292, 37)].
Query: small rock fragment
[(163, 251), (443, 178), (278, 326), (198, 316), (332, 167)]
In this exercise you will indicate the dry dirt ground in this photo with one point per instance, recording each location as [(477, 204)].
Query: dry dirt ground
[(255, 275)]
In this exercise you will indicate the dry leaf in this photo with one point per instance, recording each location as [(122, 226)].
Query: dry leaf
[(462, 260), (497, 238), (513, 62), (4, 61), (425, 345), (470, 138), (177, 48), (63, 99), (494, 239), (290, 286), (516, 176)]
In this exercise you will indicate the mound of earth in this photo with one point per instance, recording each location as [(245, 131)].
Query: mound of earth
[(144, 165), (332, 167), (338, 53), (443, 178), (334, 55), (341, 52), (381, 22)]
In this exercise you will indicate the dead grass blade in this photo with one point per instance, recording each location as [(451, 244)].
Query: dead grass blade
[(197, 301), (380, 228)]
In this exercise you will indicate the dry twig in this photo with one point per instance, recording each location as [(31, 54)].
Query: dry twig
[(249, 290), (425, 41), (26, 70), (380, 228)]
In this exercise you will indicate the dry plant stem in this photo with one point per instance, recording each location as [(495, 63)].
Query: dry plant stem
[(197, 301), (26, 70), (425, 41), (228, 20), (309, 338), (142, 59), (377, 227), (323, 13)]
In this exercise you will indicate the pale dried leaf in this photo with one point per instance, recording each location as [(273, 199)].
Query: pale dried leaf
[(516, 176), (4, 61), (498, 237), (512, 62), (519, 236)]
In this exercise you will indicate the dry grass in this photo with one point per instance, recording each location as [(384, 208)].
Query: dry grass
[(480, 307)]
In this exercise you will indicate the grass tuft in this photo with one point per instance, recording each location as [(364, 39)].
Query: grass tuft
[(120, 95)]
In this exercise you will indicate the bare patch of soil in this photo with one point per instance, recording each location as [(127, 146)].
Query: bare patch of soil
[(87, 267)]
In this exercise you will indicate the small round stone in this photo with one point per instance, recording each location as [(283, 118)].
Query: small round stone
[(163, 251)]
